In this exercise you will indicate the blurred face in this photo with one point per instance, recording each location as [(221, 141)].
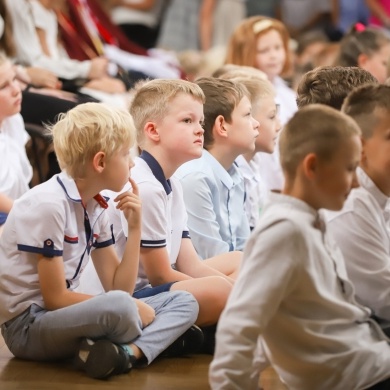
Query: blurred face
[(270, 54), (117, 169), (376, 154), (243, 129), (181, 130), (266, 114), (10, 94), (377, 63), (336, 177)]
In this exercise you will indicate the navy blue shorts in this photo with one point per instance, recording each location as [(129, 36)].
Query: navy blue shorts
[(150, 291)]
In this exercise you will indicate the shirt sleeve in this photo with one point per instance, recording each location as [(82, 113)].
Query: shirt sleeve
[(202, 220), (362, 237), (270, 271), (40, 226)]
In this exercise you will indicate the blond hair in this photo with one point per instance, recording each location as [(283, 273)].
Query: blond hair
[(317, 129), (243, 42), (87, 129), (366, 106), (258, 87), (222, 97), (152, 99)]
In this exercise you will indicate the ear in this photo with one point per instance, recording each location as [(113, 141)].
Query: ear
[(99, 162), (151, 131), (310, 166), (362, 60), (220, 127)]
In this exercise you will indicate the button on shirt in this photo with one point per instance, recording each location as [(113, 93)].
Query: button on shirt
[(49, 220), (293, 292), (361, 231), (214, 199)]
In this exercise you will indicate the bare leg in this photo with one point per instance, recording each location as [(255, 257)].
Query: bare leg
[(211, 292), (227, 263)]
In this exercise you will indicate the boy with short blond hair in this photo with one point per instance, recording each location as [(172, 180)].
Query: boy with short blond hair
[(170, 133), (49, 235), (362, 227), (213, 187), (292, 295)]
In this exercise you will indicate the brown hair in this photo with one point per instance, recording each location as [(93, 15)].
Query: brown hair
[(242, 45), (355, 42), (365, 104), (330, 85), (222, 97)]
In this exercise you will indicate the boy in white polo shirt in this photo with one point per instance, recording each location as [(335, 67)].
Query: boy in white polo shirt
[(361, 228), (48, 237), (213, 187), (168, 115), (293, 295)]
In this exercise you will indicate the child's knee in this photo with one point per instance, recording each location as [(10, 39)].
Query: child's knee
[(120, 307), (188, 302)]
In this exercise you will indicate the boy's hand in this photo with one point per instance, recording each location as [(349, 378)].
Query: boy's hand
[(146, 313), (130, 203)]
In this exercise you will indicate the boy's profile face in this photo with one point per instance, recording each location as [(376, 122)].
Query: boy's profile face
[(180, 131), (335, 178), (117, 169), (243, 129), (266, 113), (376, 154)]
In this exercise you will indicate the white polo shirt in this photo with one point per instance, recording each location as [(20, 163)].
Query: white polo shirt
[(293, 293), (15, 168), (164, 217), (49, 220), (361, 231)]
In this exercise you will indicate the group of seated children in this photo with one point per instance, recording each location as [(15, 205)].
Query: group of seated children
[(168, 231)]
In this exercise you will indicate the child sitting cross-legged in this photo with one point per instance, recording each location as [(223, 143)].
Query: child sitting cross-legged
[(48, 237)]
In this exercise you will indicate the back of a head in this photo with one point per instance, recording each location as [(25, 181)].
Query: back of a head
[(366, 104), (258, 87), (88, 129), (360, 40), (330, 85), (228, 71), (152, 99), (314, 129), (222, 97)]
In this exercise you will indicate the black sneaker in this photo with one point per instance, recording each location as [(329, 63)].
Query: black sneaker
[(208, 346), (102, 359), (188, 343)]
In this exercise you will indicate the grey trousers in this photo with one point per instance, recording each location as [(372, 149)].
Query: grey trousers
[(38, 334)]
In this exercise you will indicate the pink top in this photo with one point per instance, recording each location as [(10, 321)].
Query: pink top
[(386, 6)]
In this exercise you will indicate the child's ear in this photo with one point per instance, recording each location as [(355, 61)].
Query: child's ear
[(310, 165), (99, 161), (220, 126), (151, 131), (362, 60)]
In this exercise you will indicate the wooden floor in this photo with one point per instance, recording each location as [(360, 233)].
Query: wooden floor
[(189, 373)]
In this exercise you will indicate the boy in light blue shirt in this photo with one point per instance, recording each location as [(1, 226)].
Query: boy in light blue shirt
[(213, 187)]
